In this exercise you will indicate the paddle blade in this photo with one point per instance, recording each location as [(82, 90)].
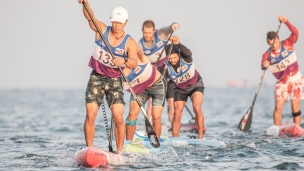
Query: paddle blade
[(151, 134), (245, 122)]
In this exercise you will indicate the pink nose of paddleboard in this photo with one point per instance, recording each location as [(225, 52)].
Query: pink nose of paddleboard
[(91, 157), (292, 129)]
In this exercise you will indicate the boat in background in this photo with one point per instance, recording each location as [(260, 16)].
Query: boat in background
[(291, 129)]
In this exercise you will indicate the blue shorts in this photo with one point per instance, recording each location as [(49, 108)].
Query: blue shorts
[(157, 91)]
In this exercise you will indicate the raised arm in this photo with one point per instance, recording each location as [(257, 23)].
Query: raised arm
[(100, 24), (164, 32), (293, 38), (185, 52)]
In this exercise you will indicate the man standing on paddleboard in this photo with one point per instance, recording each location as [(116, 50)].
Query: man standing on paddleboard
[(282, 62), (152, 43), (146, 82), (188, 82), (105, 76)]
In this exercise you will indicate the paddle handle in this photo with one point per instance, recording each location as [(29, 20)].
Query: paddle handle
[(155, 64)]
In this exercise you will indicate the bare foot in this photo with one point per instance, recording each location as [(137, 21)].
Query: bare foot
[(118, 151)]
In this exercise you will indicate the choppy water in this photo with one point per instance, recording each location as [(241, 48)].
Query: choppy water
[(42, 129)]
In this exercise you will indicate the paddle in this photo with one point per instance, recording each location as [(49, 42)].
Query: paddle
[(149, 128), (109, 133), (189, 111), (246, 120), (166, 66)]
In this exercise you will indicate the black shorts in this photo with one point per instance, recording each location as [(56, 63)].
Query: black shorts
[(182, 94), (170, 90)]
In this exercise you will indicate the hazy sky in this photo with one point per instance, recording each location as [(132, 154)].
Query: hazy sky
[(47, 43)]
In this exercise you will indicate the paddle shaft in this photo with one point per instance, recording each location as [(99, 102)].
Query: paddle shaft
[(109, 132), (149, 126), (263, 73), (258, 89), (189, 111), (155, 65), (111, 135), (167, 61)]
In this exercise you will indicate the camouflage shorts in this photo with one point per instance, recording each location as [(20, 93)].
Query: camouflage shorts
[(99, 85)]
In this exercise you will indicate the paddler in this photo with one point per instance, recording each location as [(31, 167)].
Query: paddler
[(152, 43), (146, 82), (105, 75), (283, 64), (188, 83)]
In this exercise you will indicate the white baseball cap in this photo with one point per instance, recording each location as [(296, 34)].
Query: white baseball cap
[(119, 14)]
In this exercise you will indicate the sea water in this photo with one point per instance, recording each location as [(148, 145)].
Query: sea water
[(41, 129)]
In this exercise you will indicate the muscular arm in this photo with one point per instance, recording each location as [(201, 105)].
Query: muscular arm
[(132, 53), (164, 32), (100, 24), (139, 45), (186, 54), (293, 38), (265, 62)]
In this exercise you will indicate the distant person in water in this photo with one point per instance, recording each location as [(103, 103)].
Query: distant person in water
[(146, 82), (105, 76), (283, 64), (188, 83)]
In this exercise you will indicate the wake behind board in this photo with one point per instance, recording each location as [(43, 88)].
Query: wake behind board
[(192, 141), (291, 129)]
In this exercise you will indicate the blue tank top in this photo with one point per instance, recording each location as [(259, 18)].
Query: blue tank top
[(185, 77), (101, 59), (154, 52), (284, 64)]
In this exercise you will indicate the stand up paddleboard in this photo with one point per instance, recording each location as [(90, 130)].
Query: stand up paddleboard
[(291, 129), (141, 144), (95, 157), (140, 135)]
